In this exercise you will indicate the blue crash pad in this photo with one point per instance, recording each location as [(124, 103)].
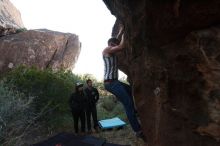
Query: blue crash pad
[(111, 123)]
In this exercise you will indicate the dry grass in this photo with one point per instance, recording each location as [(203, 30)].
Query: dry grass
[(123, 136)]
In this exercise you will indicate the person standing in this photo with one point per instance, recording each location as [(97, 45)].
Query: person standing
[(114, 86), (92, 97), (77, 104)]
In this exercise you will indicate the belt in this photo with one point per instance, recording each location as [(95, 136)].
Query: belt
[(109, 80)]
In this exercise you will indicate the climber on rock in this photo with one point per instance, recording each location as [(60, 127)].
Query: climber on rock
[(111, 83)]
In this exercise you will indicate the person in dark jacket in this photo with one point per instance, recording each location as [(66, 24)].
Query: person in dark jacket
[(92, 97), (77, 104)]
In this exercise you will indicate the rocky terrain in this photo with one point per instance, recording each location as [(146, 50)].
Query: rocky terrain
[(172, 59)]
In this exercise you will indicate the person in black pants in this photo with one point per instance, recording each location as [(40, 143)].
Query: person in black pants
[(77, 104), (92, 97)]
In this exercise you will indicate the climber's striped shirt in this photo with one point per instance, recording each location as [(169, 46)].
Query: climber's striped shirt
[(111, 67)]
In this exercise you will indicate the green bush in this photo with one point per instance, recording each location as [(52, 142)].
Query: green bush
[(49, 109), (109, 103), (119, 111), (51, 89), (110, 107), (16, 115), (21, 30)]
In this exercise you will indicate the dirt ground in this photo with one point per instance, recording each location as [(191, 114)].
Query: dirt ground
[(124, 136)]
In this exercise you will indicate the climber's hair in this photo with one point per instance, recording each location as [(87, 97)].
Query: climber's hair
[(114, 40)]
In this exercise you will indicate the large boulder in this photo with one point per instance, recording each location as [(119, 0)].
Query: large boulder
[(41, 48), (172, 59), (10, 18)]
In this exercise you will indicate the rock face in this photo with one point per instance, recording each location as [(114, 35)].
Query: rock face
[(42, 48), (172, 60), (10, 18)]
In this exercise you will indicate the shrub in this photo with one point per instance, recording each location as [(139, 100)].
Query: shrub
[(49, 109), (16, 115), (51, 89), (108, 103), (109, 107), (21, 30), (119, 111)]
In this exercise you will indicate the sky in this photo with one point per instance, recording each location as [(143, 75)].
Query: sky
[(89, 19)]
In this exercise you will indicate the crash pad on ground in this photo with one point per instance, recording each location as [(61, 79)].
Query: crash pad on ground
[(93, 140), (111, 123), (111, 144), (70, 139)]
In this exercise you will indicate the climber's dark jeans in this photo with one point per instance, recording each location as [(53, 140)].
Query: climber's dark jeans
[(123, 92)]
